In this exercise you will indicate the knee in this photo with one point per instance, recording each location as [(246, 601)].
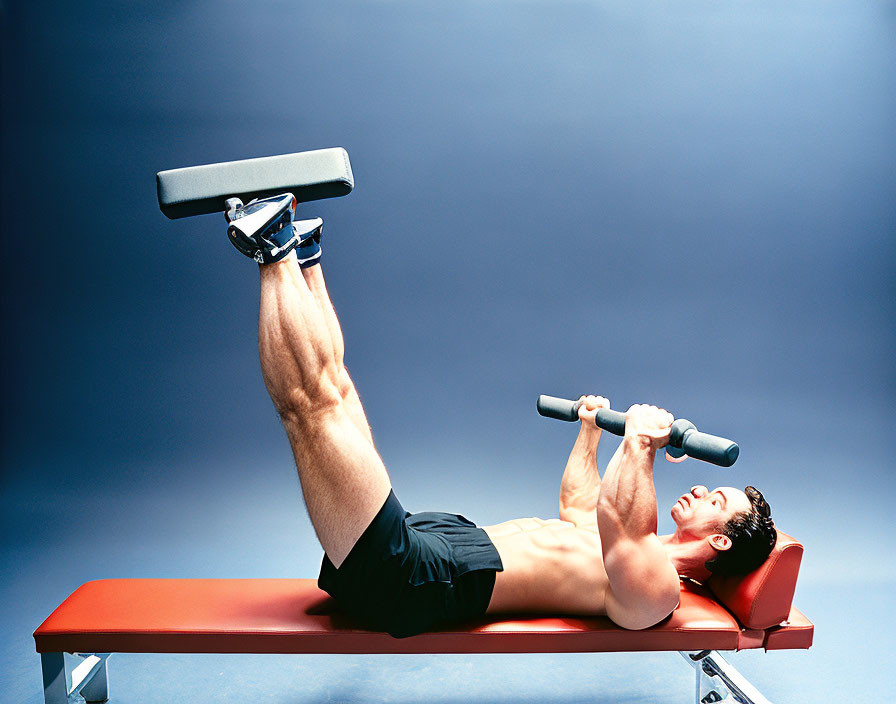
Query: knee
[(309, 402)]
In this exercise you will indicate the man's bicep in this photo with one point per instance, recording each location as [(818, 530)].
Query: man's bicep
[(644, 586)]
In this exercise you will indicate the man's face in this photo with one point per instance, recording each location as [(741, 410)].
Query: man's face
[(702, 512)]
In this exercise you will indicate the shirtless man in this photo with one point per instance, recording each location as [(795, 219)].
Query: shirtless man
[(406, 574)]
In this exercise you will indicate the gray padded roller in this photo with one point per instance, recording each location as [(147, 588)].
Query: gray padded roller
[(197, 190)]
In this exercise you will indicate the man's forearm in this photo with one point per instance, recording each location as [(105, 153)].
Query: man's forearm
[(581, 483), (627, 501)]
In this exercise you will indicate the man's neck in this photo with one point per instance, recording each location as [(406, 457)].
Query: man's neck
[(686, 556)]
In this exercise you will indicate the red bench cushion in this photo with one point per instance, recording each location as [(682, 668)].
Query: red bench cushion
[(294, 616), (763, 598)]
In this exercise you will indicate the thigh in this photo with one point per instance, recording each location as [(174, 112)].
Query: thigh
[(371, 581), (343, 478)]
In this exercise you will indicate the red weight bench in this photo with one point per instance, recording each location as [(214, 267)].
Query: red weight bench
[(294, 616)]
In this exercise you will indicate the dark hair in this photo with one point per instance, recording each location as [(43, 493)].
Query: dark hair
[(752, 535)]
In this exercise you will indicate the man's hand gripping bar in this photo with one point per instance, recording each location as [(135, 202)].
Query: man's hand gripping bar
[(684, 439)]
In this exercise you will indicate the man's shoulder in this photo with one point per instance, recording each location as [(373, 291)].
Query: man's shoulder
[(644, 584)]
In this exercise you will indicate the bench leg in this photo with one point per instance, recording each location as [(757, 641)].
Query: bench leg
[(57, 678), (88, 678), (96, 686), (717, 681)]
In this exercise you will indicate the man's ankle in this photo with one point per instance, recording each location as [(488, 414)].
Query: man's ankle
[(281, 265)]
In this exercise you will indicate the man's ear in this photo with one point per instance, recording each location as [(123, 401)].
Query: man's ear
[(720, 541)]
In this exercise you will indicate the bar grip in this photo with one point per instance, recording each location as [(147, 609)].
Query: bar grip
[(703, 446), (684, 435), (559, 408), (610, 420), (564, 409)]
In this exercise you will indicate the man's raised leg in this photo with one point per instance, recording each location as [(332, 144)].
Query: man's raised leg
[(314, 277), (343, 479)]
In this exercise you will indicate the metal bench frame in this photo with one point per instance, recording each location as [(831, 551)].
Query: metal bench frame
[(70, 676)]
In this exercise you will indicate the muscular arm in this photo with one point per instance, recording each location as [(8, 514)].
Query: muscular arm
[(580, 486), (644, 585)]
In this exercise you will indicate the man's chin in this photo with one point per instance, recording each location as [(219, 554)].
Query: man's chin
[(674, 512)]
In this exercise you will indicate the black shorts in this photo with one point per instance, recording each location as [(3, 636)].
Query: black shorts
[(412, 573)]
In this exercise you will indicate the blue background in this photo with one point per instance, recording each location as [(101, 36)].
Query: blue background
[(688, 204)]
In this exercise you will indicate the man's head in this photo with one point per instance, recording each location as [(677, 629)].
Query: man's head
[(734, 526)]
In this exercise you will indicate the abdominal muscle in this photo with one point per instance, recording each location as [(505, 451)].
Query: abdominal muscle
[(550, 566)]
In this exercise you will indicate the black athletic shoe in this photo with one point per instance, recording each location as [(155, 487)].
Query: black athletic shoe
[(262, 229), (309, 231)]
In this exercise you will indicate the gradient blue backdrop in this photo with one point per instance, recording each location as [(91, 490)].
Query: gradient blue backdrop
[(688, 204)]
